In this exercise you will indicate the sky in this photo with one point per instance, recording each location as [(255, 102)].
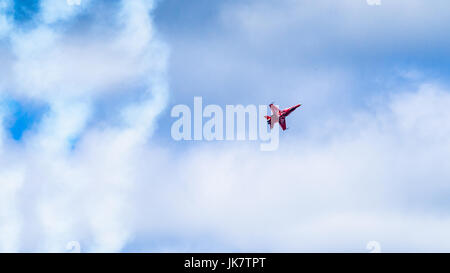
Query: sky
[(86, 153)]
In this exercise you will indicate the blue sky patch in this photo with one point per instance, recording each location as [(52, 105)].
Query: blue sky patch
[(23, 116)]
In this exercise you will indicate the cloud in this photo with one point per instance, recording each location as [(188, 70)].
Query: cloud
[(72, 63), (352, 24), (53, 11), (73, 2), (374, 172), (5, 22), (70, 175), (12, 182), (382, 175)]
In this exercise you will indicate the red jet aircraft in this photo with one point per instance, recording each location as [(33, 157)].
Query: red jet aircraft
[(279, 115)]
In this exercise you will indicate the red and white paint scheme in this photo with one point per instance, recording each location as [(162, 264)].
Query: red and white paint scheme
[(279, 115)]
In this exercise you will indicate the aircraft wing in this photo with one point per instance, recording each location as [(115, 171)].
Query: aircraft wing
[(273, 120), (282, 122), (290, 109), (274, 109)]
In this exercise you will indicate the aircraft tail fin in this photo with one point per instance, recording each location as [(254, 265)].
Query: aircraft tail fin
[(268, 119)]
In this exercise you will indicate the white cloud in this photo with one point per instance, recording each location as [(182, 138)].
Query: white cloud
[(74, 180), (351, 26), (73, 2), (373, 2), (53, 11), (10, 230), (383, 175), (5, 21), (380, 175), (56, 64)]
